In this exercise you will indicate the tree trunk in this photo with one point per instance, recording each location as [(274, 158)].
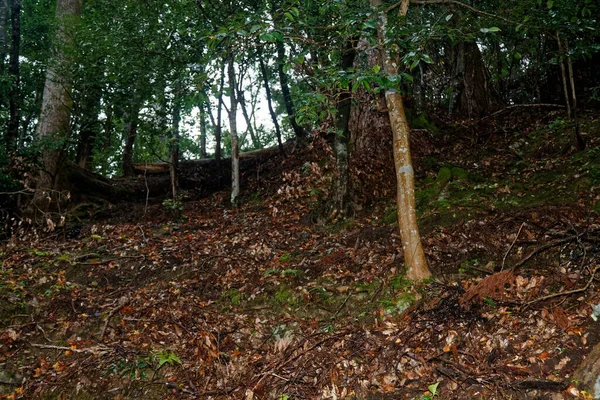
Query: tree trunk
[(174, 166), (341, 185), (202, 131), (90, 125), (476, 96), (414, 257), (265, 76), (571, 105), (130, 118), (255, 141), (12, 133), (218, 125), (4, 8), (235, 150), (287, 96), (55, 115)]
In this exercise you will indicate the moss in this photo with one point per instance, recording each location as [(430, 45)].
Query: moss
[(284, 296), (460, 173), (433, 191), (421, 122), (391, 217)]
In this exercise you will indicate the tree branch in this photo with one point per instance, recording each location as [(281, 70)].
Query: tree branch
[(455, 2)]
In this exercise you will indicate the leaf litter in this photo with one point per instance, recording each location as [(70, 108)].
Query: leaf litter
[(266, 302)]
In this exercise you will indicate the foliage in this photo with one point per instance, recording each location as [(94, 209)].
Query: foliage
[(174, 207)]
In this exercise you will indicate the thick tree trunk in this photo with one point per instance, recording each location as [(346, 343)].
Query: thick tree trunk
[(56, 110), (414, 257), (235, 148), (265, 76), (340, 200), (476, 96), (12, 132)]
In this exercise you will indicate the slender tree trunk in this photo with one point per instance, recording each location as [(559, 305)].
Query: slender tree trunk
[(579, 139), (287, 96), (12, 134), (265, 76), (130, 118), (563, 75), (56, 109), (218, 125), (174, 167), (414, 257), (202, 131), (235, 150), (255, 141), (4, 10), (341, 184), (108, 126)]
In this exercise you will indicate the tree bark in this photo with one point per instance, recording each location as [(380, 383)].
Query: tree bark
[(563, 75), (90, 125), (12, 132), (341, 185), (414, 257), (235, 148), (56, 110), (174, 165), (476, 96), (265, 76)]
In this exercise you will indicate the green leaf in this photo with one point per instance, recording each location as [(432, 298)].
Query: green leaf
[(449, 17), (371, 23), (491, 29), (289, 16), (549, 4), (433, 388), (376, 69)]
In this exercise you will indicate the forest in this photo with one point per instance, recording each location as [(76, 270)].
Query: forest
[(298, 199)]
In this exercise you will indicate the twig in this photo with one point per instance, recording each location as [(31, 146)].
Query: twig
[(568, 292), (113, 259), (511, 246), (92, 350), (458, 3), (542, 248), (122, 302), (341, 306)]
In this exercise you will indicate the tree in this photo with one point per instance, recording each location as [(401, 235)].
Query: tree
[(12, 132), (340, 197), (56, 107), (235, 148), (414, 257)]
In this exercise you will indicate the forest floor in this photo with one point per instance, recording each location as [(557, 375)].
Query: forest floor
[(267, 301)]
